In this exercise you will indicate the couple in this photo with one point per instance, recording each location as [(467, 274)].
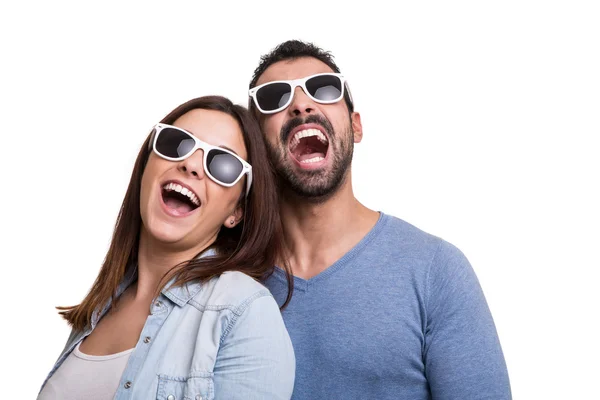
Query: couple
[(186, 305)]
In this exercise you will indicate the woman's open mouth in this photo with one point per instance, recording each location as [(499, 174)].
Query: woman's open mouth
[(179, 200)]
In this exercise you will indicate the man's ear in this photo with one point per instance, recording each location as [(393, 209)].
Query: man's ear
[(356, 127), (235, 217)]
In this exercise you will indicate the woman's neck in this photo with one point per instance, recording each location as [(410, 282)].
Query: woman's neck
[(155, 259)]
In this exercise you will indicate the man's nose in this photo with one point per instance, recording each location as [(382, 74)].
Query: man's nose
[(301, 103)]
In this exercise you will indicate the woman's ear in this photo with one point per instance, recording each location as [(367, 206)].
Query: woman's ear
[(235, 217)]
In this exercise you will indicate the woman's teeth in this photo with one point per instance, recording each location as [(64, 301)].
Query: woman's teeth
[(184, 191)]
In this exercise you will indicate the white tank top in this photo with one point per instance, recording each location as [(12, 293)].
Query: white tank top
[(82, 376)]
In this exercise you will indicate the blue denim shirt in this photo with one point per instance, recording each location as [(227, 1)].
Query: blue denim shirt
[(222, 339)]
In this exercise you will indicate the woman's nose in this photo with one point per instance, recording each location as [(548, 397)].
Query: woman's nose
[(193, 165)]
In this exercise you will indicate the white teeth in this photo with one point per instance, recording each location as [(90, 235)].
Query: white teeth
[(193, 198), (307, 133), (184, 191), (312, 160)]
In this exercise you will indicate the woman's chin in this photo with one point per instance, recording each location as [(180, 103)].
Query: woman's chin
[(165, 233)]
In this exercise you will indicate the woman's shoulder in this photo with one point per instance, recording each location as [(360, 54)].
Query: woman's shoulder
[(231, 290)]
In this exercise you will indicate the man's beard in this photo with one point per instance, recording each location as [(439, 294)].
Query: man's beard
[(313, 185)]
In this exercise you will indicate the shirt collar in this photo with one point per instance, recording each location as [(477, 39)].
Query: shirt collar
[(128, 279), (182, 294)]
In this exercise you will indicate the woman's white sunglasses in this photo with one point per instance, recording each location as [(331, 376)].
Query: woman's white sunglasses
[(221, 165)]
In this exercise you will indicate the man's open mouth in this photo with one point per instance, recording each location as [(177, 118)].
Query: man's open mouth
[(309, 146), (178, 198)]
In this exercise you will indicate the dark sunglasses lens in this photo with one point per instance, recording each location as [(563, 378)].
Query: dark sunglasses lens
[(223, 166), (325, 87), (174, 143), (273, 96)]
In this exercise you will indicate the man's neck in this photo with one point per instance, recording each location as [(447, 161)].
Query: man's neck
[(319, 234)]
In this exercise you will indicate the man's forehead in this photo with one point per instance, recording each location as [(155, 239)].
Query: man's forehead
[(293, 69)]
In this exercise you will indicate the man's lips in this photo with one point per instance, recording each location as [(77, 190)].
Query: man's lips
[(308, 146), (304, 127), (316, 163)]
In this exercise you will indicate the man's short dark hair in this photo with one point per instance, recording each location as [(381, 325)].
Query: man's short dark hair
[(291, 50)]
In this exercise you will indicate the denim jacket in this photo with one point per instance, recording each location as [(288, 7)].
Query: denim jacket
[(222, 339)]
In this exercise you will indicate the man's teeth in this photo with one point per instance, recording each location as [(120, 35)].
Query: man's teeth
[(312, 160), (307, 133), (184, 191)]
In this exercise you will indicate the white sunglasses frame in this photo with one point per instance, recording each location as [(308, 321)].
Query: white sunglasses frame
[(205, 147), (302, 83)]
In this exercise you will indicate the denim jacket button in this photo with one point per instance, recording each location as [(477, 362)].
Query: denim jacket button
[(147, 339), (170, 397), (127, 384)]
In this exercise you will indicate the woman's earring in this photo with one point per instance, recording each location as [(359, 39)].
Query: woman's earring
[(231, 222)]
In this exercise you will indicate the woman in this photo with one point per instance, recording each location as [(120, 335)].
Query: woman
[(176, 311)]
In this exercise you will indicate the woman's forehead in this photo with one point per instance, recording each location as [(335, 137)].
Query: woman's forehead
[(214, 127)]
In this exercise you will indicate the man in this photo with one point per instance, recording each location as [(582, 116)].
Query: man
[(380, 310)]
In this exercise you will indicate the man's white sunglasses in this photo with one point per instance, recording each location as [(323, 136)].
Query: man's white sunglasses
[(326, 88)]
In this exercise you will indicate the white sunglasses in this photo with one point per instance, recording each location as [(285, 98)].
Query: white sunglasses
[(221, 165), (326, 88)]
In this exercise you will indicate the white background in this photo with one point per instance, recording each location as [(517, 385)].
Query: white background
[(481, 124)]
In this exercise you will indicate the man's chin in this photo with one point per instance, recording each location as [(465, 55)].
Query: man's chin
[(314, 189)]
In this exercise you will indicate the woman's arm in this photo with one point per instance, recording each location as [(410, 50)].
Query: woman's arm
[(256, 359)]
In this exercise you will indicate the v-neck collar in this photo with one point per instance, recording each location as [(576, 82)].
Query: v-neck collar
[(304, 284)]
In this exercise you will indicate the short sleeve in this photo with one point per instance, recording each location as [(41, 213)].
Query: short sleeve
[(462, 353)]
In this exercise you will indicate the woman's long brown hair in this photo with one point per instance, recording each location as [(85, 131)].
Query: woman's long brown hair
[(253, 246)]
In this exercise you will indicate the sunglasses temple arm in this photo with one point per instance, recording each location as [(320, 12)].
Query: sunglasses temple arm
[(248, 181)]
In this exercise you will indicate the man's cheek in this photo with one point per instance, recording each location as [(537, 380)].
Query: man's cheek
[(273, 135)]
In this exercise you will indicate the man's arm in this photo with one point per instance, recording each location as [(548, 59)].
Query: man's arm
[(462, 354)]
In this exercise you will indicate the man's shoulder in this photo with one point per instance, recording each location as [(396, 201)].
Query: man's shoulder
[(404, 228), (402, 239), (398, 235), (403, 247)]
